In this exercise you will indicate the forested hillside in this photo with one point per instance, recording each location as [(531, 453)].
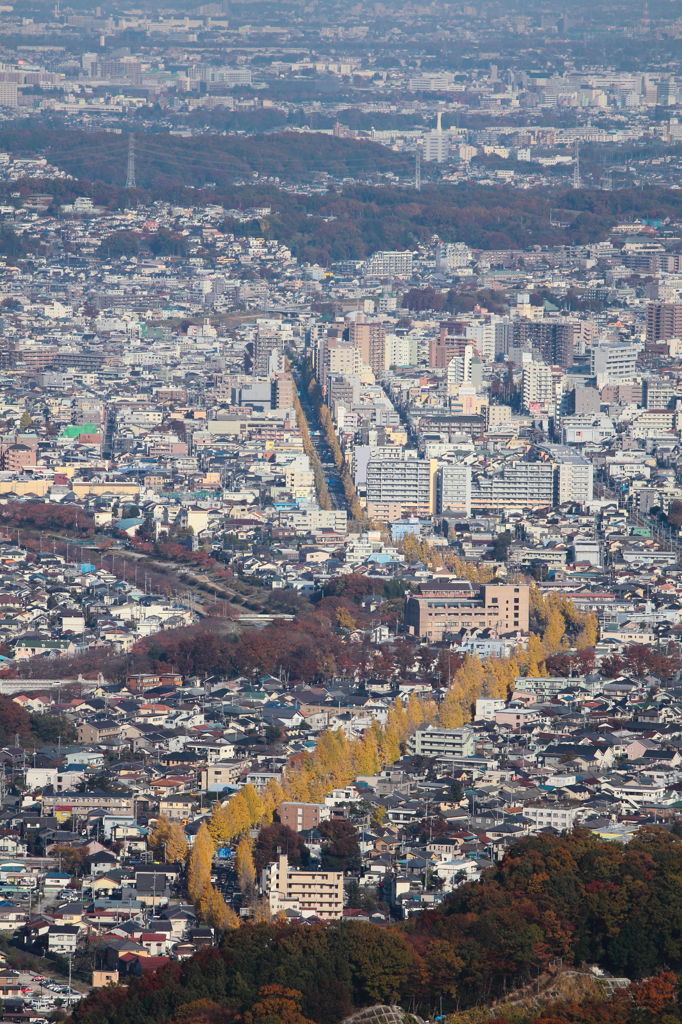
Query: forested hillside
[(571, 897), (166, 160), (349, 220)]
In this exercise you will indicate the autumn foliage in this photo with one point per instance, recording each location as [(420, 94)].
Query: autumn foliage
[(572, 897)]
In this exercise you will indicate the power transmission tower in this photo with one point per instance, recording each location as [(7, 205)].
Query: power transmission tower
[(418, 170), (130, 176), (576, 167)]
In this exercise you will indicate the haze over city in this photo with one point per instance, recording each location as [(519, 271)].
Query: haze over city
[(340, 510)]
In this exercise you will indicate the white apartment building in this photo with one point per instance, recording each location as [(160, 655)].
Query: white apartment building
[(389, 264), (460, 368), (517, 484), (539, 389), (436, 742), (552, 816), (575, 480), (453, 489), (396, 486), (615, 362), (453, 256)]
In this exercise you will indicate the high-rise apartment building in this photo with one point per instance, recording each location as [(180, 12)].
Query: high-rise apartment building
[(663, 321), (453, 256), (539, 388), (450, 341), (453, 489), (342, 391), (615, 362), (284, 391), (9, 95), (268, 356), (573, 473), (369, 337), (553, 340), (574, 480), (397, 487), (338, 356), (516, 485), (461, 367)]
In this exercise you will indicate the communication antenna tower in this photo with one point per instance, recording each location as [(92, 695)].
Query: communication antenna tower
[(418, 170), (576, 167), (130, 175)]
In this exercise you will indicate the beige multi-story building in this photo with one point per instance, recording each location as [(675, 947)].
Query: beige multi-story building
[(369, 337), (338, 356), (284, 391), (221, 774), (446, 607), (312, 893)]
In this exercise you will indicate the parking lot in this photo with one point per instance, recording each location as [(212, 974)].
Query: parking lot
[(44, 993)]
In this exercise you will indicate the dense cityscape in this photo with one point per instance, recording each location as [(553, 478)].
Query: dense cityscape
[(340, 512)]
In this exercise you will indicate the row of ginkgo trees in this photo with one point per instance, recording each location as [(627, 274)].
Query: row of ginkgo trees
[(336, 760)]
